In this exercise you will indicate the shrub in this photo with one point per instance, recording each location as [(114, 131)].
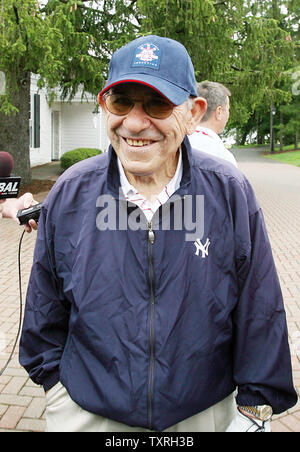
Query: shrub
[(76, 155)]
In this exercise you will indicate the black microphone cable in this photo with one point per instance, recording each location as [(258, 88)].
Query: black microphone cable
[(20, 306)]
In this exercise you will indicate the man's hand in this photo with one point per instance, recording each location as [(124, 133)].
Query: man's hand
[(245, 423), (11, 206)]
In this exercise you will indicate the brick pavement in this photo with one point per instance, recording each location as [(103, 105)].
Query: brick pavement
[(277, 186), (22, 403)]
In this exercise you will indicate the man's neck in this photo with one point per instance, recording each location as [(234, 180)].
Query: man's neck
[(210, 125), (152, 184)]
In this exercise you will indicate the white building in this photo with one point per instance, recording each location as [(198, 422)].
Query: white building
[(63, 126)]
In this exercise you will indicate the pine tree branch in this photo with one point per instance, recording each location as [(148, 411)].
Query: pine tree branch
[(16, 14), (243, 70)]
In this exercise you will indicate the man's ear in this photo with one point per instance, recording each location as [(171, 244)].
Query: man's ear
[(218, 113), (197, 112), (101, 103)]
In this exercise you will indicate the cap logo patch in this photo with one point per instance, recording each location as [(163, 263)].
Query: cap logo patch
[(147, 55)]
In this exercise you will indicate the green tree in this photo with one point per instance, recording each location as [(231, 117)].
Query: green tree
[(67, 43), (289, 125), (287, 16), (237, 43)]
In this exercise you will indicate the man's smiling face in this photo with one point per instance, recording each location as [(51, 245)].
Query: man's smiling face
[(145, 145)]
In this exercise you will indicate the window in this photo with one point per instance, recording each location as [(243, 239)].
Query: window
[(36, 121)]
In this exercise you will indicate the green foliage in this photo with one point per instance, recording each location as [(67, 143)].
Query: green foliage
[(284, 92), (76, 155), (246, 45), (238, 43), (68, 43), (292, 158)]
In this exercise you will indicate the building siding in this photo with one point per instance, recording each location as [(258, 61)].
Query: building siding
[(76, 126)]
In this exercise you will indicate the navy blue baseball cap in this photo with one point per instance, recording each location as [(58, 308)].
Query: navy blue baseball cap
[(160, 63)]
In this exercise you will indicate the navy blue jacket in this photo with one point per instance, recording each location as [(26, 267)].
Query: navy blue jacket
[(149, 332)]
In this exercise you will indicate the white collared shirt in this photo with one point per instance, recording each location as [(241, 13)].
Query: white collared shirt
[(206, 140), (148, 207)]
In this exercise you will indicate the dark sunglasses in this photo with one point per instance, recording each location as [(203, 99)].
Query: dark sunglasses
[(121, 104)]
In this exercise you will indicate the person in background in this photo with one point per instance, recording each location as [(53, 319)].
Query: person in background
[(136, 324), (206, 137)]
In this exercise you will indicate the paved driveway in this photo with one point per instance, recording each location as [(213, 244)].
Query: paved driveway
[(277, 187)]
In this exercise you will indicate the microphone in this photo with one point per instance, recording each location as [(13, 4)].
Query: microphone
[(6, 164), (9, 188), (9, 185)]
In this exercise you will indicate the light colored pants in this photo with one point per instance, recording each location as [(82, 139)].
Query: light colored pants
[(64, 415)]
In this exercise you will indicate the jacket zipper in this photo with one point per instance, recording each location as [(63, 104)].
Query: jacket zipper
[(151, 239)]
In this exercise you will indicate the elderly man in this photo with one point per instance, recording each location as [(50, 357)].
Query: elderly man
[(132, 322), (206, 137)]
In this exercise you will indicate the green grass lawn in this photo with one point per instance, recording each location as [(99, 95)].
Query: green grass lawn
[(292, 157)]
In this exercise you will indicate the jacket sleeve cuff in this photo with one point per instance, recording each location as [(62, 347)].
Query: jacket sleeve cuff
[(51, 380), (251, 400)]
